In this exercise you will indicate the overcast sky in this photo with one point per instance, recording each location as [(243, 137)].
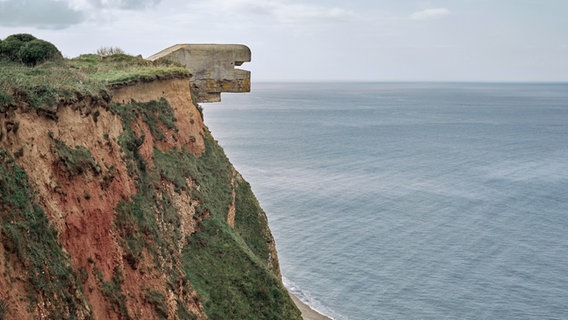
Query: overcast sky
[(312, 40)]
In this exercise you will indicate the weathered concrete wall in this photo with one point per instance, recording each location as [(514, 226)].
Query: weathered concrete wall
[(212, 67)]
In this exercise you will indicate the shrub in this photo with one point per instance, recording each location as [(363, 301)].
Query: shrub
[(75, 161), (38, 51), (10, 47), (183, 313), (23, 37), (112, 290), (28, 49), (109, 51), (158, 300), (5, 99)]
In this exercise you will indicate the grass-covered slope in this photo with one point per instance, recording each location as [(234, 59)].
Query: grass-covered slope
[(233, 281)]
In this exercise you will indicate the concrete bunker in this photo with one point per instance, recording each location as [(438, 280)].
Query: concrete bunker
[(212, 67)]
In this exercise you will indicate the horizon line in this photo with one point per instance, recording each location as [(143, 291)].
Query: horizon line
[(417, 81)]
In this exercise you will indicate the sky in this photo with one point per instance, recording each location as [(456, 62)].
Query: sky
[(317, 40)]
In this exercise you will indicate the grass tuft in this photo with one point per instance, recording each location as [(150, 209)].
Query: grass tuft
[(158, 301), (75, 161)]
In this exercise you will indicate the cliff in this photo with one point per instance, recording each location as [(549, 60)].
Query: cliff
[(117, 203)]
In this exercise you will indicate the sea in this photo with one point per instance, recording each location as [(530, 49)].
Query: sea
[(410, 200)]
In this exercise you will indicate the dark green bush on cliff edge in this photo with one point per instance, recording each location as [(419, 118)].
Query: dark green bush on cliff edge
[(10, 47), (27, 49), (38, 51)]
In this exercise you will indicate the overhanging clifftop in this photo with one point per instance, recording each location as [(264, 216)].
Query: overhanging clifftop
[(212, 67)]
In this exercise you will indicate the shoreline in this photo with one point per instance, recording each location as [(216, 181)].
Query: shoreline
[(307, 312)]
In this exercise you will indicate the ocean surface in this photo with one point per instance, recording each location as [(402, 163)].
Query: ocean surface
[(410, 200)]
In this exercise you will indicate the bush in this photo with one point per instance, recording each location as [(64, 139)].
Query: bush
[(158, 300), (109, 51), (23, 37), (38, 51), (27, 49), (5, 100), (75, 161), (10, 47)]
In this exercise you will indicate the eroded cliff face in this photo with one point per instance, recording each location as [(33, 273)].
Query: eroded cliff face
[(128, 209)]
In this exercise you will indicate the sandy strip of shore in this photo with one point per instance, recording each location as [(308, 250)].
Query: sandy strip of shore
[(307, 312)]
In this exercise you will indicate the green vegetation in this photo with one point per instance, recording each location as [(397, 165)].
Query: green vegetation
[(232, 282), (210, 171), (251, 222), (122, 68), (113, 291), (183, 313), (25, 48), (137, 225), (3, 308), (135, 218), (152, 113), (46, 85), (230, 274), (38, 51), (34, 74), (109, 51), (75, 161), (158, 300), (5, 99), (27, 233)]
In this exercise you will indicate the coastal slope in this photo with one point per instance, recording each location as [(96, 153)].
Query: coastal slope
[(117, 203)]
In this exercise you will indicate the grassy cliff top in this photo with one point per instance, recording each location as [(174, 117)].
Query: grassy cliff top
[(122, 68), (61, 80)]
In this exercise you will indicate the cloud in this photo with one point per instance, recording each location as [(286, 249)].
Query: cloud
[(279, 10), (46, 14), (122, 4), (60, 14), (430, 14)]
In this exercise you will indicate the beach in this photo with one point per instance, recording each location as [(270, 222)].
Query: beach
[(307, 312)]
